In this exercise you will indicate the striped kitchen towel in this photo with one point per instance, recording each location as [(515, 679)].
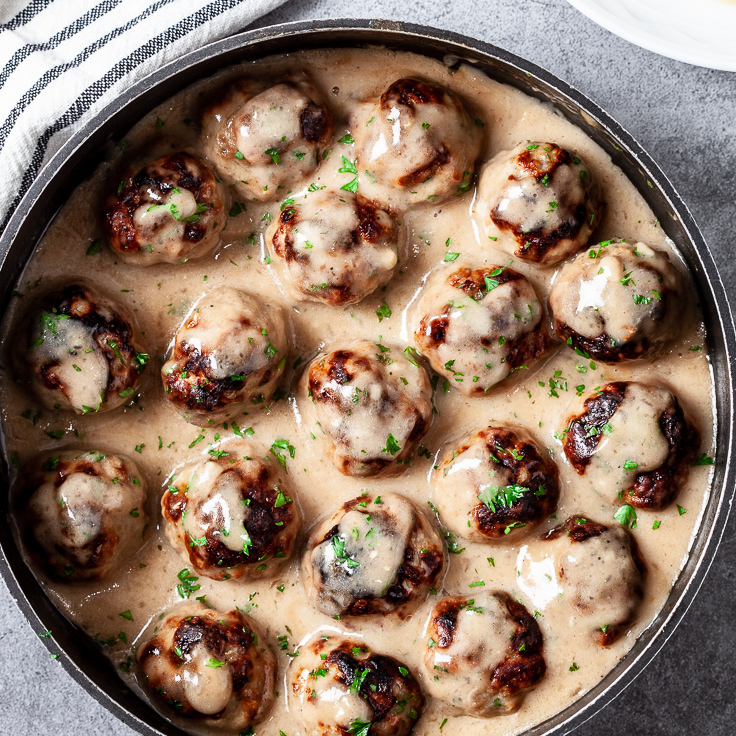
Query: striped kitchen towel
[(61, 61)]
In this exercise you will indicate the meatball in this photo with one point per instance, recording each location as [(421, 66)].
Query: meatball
[(495, 484), (482, 654), (417, 139), (375, 554), (477, 327), (374, 405), (82, 354), (229, 353), (169, 211), (232, 515), (617, 302), (633, 441), (263, 141), (335, 248), (600, 573), (211, 666), (540, 202), (339, 687), (83, 513)]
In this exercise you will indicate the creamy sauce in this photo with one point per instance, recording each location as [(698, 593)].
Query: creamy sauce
[(161, 441)]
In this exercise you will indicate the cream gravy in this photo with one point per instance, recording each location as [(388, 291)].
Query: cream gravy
[(155, 435)]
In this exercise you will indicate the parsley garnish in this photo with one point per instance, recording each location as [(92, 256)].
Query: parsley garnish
[(392, 446), (338, 547), (383, 311), (506, 496), (626, 516), (188, 584)]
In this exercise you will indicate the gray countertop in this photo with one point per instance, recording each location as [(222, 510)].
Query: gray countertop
[(686, 118)]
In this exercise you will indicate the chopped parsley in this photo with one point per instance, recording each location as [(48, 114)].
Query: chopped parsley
[(626, 516), (506, 496), (392, 445), (383, 311), (338, 547), (703, 460)]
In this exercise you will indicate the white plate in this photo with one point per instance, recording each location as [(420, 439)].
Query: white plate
[(701, 32)]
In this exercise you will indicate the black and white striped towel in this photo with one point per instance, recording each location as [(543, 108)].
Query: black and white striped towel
[(61, 61)]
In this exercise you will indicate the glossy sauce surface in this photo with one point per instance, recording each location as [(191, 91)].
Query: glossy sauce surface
[(539, 399)]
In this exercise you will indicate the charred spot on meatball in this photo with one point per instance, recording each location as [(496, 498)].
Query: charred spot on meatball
[(478, 326), (541, 202), (417, 139), (264, 139), (601, 572), (340, 686), (81, 353), (232, 516), (171, 210), (375, 555), (82, 513), (228, 354), (495, 484), (482, 654), (210, 666), (620, 301), (356, 389), (634, 442), (335, 248)]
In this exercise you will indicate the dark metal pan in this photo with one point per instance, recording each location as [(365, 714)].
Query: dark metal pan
[(82, 658)]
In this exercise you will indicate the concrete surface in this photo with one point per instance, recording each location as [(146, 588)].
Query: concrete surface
[(685, 117)]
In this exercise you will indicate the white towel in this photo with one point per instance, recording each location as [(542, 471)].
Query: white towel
[(61, 61)]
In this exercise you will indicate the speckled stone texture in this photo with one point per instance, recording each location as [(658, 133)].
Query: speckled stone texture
[(685, 117)]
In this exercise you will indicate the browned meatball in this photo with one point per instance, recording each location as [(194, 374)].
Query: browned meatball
[(633, 441), (375, 554), (336, 248), (82, 353), (541, 203), (373, 405), (83, 513), (228, 354), (477, 327), (419, 140), (620, 301), (600, 573), (232, 515), (168, 211), (340, 687), (482, 654), (495, 484), (263, 140), (211, 666)]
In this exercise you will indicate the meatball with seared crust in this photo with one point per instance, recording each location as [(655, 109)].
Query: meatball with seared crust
[(210, 666), (266, 140), (619, 301), (373, 405), (232, 515), (374, 555), (600, 573), (633, 442), (340, 687), (169, 211), (335, 248), (540, 202), (416, 143), (477, 327), (482, 654), (83, 513), (228, 354), (495, 484), (82, 353)]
